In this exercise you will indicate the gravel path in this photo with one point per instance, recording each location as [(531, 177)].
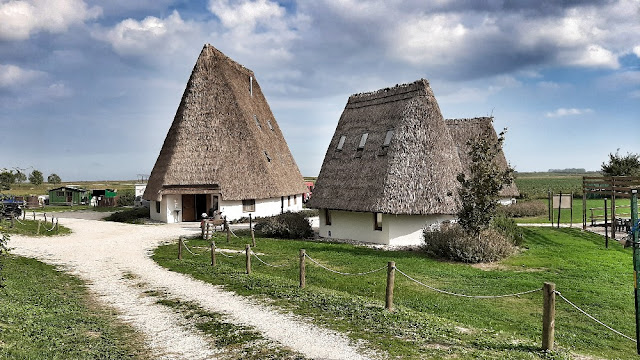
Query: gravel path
[(114, 259)]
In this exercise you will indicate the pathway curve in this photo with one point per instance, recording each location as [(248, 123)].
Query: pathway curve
[(108, 255)]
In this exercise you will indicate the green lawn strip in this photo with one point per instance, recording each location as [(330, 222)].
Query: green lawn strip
[(234, 341), (30, 228), (565, 215), (46, 314), (597, 279)]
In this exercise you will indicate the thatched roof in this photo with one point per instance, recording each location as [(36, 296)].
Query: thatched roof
[(464, 130), (415, 174), (224, 138)]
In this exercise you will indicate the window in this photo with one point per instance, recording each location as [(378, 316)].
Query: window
[(341, 142), (289, 200), (327, 217), (269, 124), (249, 205), (295, 199), (377, 221), (255, 117), (268, 157), (387, 138), (60, 193), (158, 207), (363, 140)]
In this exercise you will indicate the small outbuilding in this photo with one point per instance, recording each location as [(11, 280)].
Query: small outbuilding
[(68, 195)]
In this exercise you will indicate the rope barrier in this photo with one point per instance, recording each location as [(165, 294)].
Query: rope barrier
[(594, 319), (343, 273), (467, 296), (189, 250), (262, 261), (18, 220), (49, 230)]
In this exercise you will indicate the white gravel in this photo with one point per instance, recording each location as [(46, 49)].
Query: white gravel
[(114, 257)]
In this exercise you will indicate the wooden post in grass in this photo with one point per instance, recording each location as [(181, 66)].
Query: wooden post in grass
[(584, 209), (34, 216), (213, 253), (57, 227), (24, 215), (247, 250), (303, 269), (571, 218), (253, 235), (559, 208), (548, 315), (45, 217), (180, 248), (391, 276), (550, 206), (636, 261), (606, 225), (226, 225), (52, 220), (38, 233)]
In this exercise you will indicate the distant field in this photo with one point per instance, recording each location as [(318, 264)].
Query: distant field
[(43, 189), (536, 185)]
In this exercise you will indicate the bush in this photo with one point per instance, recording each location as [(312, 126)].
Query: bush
[(451, 242), (131, 216), (508, 228), (288, 225), (523, 209), (126, 198)]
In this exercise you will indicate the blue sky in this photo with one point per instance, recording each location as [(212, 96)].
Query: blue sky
[(88, 89)]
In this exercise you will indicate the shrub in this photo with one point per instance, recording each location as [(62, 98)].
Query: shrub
[(508, 228), (523, 209), (126, 198), (452, 242), (131, 216), (288, 225)]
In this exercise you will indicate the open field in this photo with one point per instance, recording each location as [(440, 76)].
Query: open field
[(46, 314), (536, 185), (623, 211), (432, 325)]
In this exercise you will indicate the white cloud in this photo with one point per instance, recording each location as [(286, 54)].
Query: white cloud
[(636, 50), (567, 112), (149, 37), (11, 75), (20, 18)]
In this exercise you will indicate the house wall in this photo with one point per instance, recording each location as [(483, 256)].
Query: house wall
[(359, 226), (507, 201), (231, 209), (139, 189)]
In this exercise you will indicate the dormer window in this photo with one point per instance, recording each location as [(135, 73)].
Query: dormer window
[(269, 124), (341, 142), (255, 117), (387, 138), (363, 140), (267, 155)]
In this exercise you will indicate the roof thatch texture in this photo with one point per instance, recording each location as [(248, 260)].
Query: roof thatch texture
[(464, 130), (215, 142), (415, 174)]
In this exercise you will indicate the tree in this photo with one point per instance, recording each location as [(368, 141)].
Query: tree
[(36, 177), (480, 192), (7, 178), (618, 165), (20, 177), (54, 179)]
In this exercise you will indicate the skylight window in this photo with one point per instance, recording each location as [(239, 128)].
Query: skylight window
[(269, 124), (255, 117), (387, 138), (363, 140), (341, 142), (268, 157)]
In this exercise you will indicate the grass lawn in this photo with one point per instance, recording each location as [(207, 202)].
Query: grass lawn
[(431, 325), (30, 228), (565, 215), (46, 314)]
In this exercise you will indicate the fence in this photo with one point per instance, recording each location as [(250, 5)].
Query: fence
[(42, 224), (548, 289)]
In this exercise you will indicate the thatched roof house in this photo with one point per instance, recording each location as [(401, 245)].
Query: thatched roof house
[(391, 166), (464, 130), (224, 147)]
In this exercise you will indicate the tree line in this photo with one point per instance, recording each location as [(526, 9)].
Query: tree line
[(9, 177)]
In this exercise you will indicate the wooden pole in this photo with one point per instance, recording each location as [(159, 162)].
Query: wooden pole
[(57, 227), (226, 225), (559, 208), (391, 275), (34, 216), (550, 206), (38, 233), (247, 250), (606, 224), (548, 315), (571, 204), (213, 253), (303, 269), (584, 209), (180, 248), (52, 220), (613, 208), (636, 262), (45, 217), (253, 235)]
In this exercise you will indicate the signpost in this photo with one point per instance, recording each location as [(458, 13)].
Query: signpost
[(562, 201)]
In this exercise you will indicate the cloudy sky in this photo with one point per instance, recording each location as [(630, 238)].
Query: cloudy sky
[(88, 89)]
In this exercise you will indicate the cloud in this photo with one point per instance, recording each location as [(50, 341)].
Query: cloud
[(149, 37), (11, 75), (636, 50), (20, 19), (560, 112)]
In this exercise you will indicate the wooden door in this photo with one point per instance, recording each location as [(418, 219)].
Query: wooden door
[(188, 207)]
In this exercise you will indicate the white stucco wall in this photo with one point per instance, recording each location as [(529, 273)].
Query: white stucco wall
[(396, 229), (168, 206), (507, 201), (139, 189)]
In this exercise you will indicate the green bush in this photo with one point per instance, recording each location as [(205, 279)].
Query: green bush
[(288, 225), (523, 209), (131, 216), (451, 242), (508, 228), (126, 198)]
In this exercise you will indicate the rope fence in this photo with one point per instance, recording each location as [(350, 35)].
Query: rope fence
[(548, 289), (43, 223)]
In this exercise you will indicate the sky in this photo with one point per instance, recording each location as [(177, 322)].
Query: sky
[(88, 89)]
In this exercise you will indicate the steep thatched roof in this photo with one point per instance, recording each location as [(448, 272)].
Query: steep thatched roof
[(415, 174), (224, 138), (464, 130)]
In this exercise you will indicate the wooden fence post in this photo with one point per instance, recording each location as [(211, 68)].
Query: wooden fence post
[(38, 233), (303, 269), (226, 225), (253, 235), (34, 216), (548, 315), (45, 217), (606, 225), (391, 275), (180, 248), (247, 250), (57, 227), (213, 253)]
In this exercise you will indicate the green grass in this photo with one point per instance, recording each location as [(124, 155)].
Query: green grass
[(565, 214), (432, 325), (30, 228), (537, 185), (46, 314)]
